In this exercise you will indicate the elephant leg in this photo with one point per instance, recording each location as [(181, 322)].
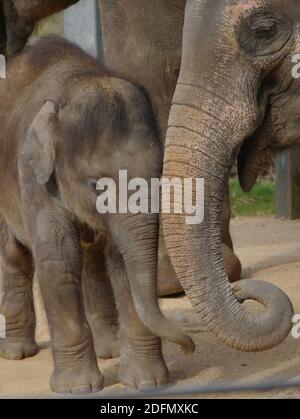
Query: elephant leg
[(99, 301), (233, 265), (142, 364), (58, 261), (16, 297)]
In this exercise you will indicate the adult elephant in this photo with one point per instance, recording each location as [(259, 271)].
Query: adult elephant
[(142, 41), (18, 19), (233, 60), (235, 96), (155, 30)]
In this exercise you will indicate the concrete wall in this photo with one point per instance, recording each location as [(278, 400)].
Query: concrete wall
[(79, 23), (288, 184), (82, 25)]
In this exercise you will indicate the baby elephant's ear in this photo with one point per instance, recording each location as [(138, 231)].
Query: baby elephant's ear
[(38, 150)]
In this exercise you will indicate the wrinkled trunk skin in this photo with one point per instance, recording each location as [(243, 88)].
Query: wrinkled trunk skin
[(195, 250), (209, 119), (142, 41), (137, 239)]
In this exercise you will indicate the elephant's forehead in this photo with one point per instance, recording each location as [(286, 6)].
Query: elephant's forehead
[(236, 8), (291, 7)]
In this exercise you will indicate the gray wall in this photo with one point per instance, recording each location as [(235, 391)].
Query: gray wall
[(79, 23), (82, 26), (288, 183)]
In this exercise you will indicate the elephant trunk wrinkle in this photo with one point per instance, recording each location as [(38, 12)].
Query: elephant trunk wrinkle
[(195, 250)]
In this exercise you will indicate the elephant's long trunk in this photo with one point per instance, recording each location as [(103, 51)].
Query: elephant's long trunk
[(137, 239), (200, 144)]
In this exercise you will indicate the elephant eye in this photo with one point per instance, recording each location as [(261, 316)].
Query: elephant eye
[(264, 34)]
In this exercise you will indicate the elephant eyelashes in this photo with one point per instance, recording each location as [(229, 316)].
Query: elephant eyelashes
[(263, 35)]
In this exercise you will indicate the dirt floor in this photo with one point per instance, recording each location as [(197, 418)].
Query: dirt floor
[(269, 250)]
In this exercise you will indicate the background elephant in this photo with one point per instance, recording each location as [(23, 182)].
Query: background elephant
[(142, 40), (234, 97), (18, 19), (126, 23), (67, 123)]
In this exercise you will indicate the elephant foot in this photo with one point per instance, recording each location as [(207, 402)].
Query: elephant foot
[(233, 265), (141, 368), (143, 375), (17, 348), (107, 346), (77, 381), (76, 370)]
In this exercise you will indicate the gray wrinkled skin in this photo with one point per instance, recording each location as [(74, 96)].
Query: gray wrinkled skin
[(235, 96), (67, 123), (155, 30)]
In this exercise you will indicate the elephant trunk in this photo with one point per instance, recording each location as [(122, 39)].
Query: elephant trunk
[(137, 240), (203, 137)]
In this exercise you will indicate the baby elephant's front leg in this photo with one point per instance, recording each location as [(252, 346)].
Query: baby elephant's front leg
[(58, 262)]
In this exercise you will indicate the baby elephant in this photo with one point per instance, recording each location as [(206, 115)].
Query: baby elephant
[(65, 123)]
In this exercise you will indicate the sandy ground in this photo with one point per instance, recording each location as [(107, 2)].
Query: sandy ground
[(269, 250)]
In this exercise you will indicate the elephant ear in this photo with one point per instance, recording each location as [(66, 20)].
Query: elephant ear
[(38, 150)]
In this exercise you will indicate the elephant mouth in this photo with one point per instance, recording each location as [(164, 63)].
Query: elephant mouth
[(251, 160), (256, 148), (264, 144), (267, 139)]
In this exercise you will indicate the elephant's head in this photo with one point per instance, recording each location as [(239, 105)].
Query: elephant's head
[(96, 128), (234, 96)]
